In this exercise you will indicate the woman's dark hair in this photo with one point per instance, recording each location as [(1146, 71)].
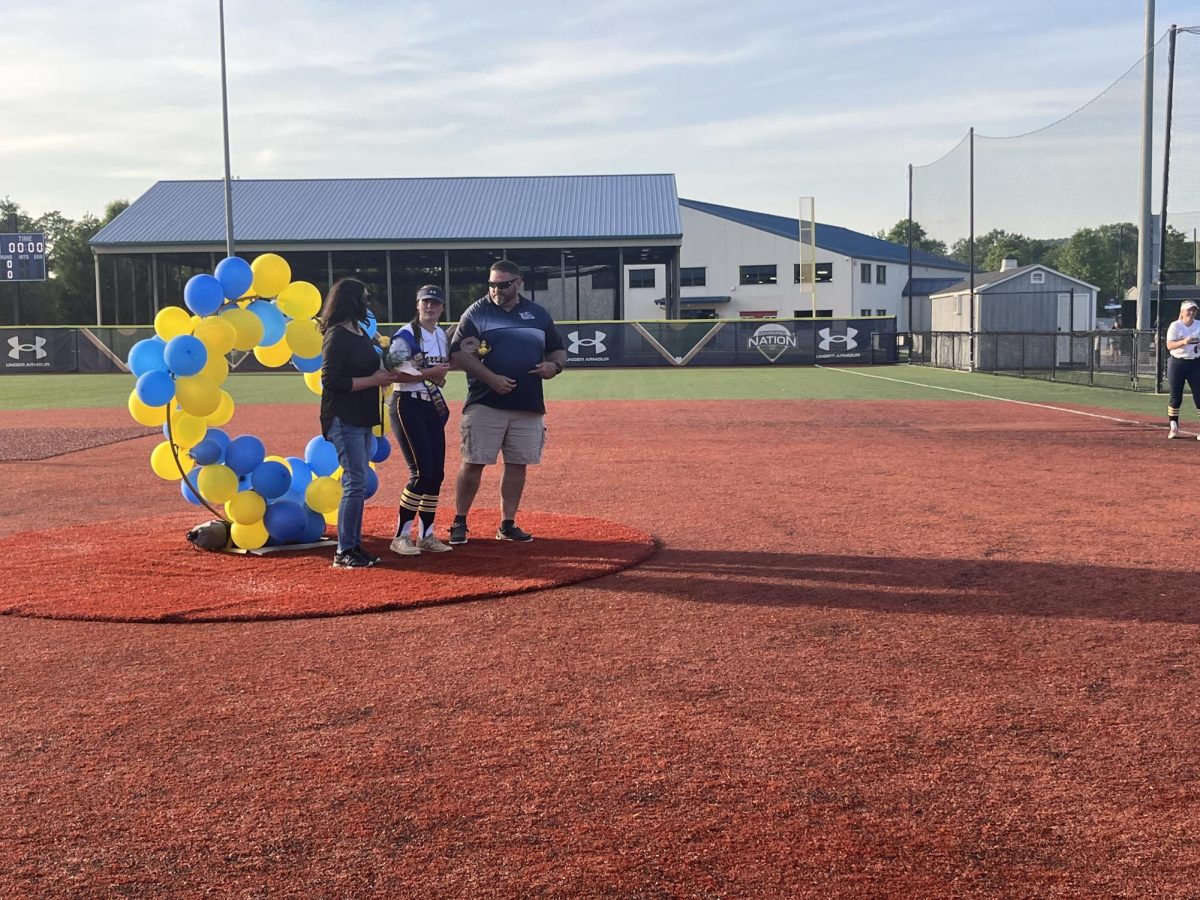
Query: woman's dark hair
[(345, 302)]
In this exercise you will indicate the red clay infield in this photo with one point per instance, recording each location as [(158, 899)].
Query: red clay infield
[(145, 571), (922, 649)]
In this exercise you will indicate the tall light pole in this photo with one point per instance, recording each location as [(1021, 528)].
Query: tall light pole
[(225, 132), (1145, 220)]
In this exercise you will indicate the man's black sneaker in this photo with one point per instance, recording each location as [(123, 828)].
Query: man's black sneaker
[(458, 532), (513, 533), (370, 558), (350, 560)]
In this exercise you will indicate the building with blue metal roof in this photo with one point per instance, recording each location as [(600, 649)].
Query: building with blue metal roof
[(572, 235), (738, 263)]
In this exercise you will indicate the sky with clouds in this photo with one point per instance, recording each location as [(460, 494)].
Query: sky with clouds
[(750, 104)]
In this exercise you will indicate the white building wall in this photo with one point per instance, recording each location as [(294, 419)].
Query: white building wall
[(722, 247)]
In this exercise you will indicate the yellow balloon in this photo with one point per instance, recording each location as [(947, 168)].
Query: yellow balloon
[(300, 300), (323, 494), (172, 321), (217, 369), (187, 430), (303, 336), (331, 518), (198, 395), (378, 430), (146, 415), (217, 483), (224, 411), (271, 274), (275, 355), (249, 537), (246, 508), (312, 380), (162, 462), (247, 328), (217, 334)]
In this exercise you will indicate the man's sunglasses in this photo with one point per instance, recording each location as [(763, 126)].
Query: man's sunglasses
[(501, 285)]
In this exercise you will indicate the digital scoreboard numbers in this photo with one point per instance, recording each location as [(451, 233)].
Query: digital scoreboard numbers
[(22, 257)]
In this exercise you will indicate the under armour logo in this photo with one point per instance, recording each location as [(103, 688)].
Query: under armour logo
[(846, 340), (596, 343), (18, 348)]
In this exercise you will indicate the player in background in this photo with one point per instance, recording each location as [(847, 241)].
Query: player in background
[(1183, 342)]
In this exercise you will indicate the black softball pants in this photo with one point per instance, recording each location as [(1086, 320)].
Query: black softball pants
[(1180, 372)]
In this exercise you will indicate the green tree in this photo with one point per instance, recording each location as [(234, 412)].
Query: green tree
[(997, 245), (898, 234)]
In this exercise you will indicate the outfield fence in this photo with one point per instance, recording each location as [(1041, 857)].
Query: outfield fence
[(607, 344), (1115, 359)]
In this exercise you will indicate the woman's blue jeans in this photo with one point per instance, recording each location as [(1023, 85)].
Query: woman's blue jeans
[(354, 444)]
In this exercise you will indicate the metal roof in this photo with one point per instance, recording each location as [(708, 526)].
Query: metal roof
[(923, 287), (987, 280), (396, 210), (828, 237)]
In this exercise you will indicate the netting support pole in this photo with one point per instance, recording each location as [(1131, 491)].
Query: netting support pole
[(225, 133), (1145, 221), (1160, 319), (911, 329), (971, 185)]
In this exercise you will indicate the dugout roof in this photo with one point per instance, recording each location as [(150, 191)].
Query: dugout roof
[(580, 210)]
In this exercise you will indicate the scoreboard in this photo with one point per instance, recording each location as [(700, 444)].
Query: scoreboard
[(22, 257)]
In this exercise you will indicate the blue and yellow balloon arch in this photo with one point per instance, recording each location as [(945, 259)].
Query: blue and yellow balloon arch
[(249, 307)]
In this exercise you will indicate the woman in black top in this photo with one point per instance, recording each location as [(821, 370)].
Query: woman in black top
[(351, 376)]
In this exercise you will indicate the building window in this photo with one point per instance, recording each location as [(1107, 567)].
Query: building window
[(756, 275), (822, 270), (881, 274), (1037, 277), (697, 314), (864, 312), (641, 278), (692, 276), (757, 314), (864, 273), (808, 314), (881, 312)]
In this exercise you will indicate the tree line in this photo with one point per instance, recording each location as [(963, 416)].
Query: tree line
[(68, 296), (1105, 256)]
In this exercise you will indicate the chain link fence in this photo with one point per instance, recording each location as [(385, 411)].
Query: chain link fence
[(1113, 359)]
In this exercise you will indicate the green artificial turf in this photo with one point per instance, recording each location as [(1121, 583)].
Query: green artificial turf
[(869, 384)]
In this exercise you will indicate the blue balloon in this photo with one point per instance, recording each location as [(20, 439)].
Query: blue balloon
[(272, 319), (321, 456), (185, 354), (147, 356), (245, 454), (383, 449), (203, 295), (271, 479), (301, 474), (235, 276), (372, 484), (285, 520), (219, 437), (314, 526), (186, 489), (307, 363), (206, 452), (155, 388)]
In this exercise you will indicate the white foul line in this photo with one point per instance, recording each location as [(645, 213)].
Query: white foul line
[(936, 387)]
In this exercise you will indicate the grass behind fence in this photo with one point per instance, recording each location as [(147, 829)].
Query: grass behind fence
[(870, 384)]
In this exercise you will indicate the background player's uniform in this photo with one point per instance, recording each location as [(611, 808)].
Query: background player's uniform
[(1183, 367)]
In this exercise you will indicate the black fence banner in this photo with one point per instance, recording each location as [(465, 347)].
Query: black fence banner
[(698, 342), (26, 351)]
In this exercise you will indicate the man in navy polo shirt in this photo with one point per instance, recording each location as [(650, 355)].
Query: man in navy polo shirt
[(508, 346)]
